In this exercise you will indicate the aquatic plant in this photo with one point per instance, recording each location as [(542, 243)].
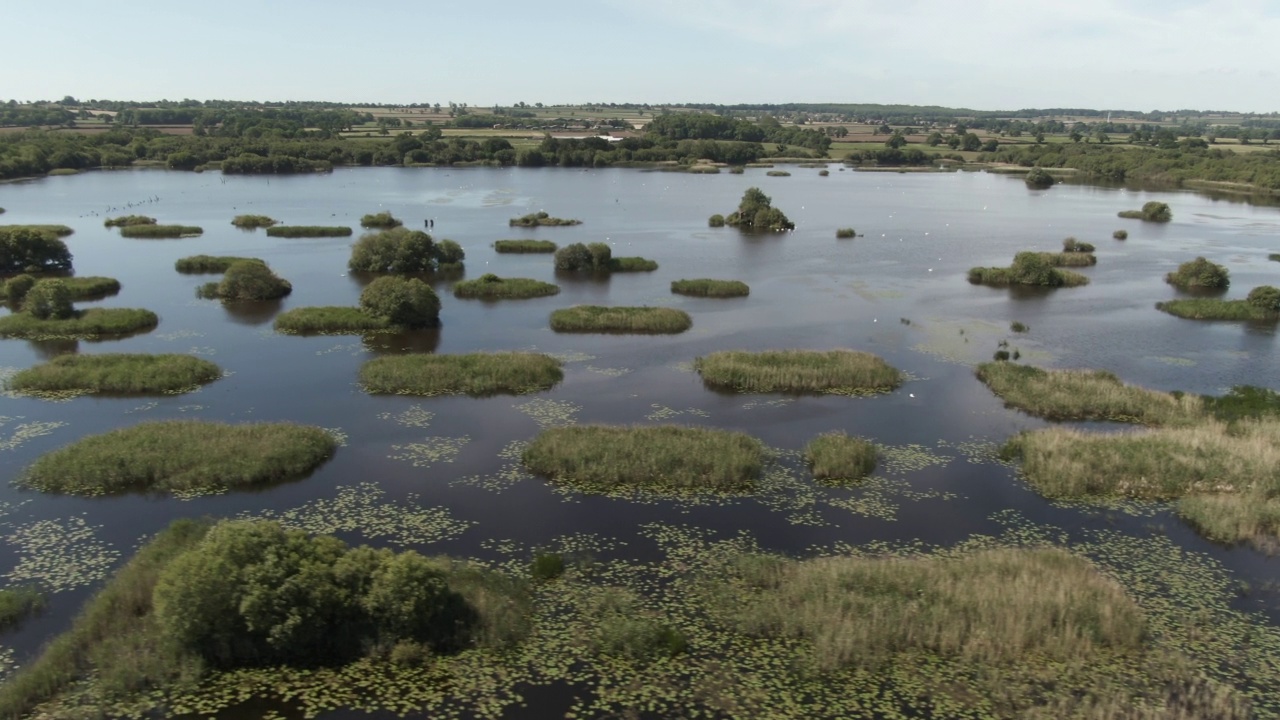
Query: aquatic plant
[(1085, 395), (1219, 309), (308, 231), (248, 280), (1072, 245), (475, 374), (838, 372), (1120, 235), (55, 230), (1018, 327), (1151, 212), (845, 233), (706, 287), (490, 286), (160, 231), (837, 456), (632, 264), (524, 246), (91, 323), (620, 319), (330, 320), (17, 604), (1030, 268)]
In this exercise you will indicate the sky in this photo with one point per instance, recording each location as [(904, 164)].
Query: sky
[(980, 54)]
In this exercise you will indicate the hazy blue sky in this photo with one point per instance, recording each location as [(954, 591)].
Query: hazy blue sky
[(989, 54)]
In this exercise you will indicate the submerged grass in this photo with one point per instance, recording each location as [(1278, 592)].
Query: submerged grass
[(94, 322), (308, 231), (620, 319), (1086, 395), (1217, 309), (663, 458), (160, 231), (524, 246), (836, 456), (181, 456), (117, 373), (839, 372), (706, 287), (490, 286), (208, 264), (475, 374), (330, 320)]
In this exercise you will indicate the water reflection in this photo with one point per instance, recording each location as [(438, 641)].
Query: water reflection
[(49, 349), (402, 343), (252, 312)]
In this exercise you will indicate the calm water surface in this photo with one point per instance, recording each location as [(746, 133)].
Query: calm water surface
[(898, 290)]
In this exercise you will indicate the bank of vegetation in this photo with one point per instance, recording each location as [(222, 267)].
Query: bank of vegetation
[(45, 311), (620, 319), (1261, 305), (24, 249), (55, 230), (116, 373), (1038, 178), (837, 372), (666, 459), (208, 264), (755, 212), (160, 232), (1179, 164), (387, 303), (126, 220), (17, 604), (491, 287), (400, 250), (524, 246), (1085, 395), (308, 231), (89, 287), (247, 280), (251, 222), (1151, 212), (181, 456), (541, 218), (1030, 268), (707, 287), (846, 233), (474, 374), (383, 221), (836, 456)]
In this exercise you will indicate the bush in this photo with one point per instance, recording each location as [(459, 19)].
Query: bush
[(1199, 273), (601, 254), (17, 604), (524, 246), (154, 232), (491, 286), (126, 220), (1216, 309), (631, 264), (1038, 178), (836, 456), (1120, 235), (716, 220), (475, 374), (249, 222), (1265, 298), (208, 264), (16, 288), (1032, 268), (409, 302), (540, 218), (48, 300), (641, 320), (252, 280), (402, 251), (706, 287), (383, 220), (116, 373), (546, 566), (778, 173), (756, 212), (1072, 245), (574, 258), (1151, 212), (27, 250), (840, 372), (1018, 327), (844, 233), (308, 231)]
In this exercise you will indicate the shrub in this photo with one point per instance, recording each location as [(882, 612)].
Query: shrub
[(778, 173), (716, 220), (844, 233), (706, 287), (625, 629), (836, 456), (180, 456), (756, 212), (1085, 395), (1274, 256), (126, 220), (475, 374), (1031, 268), (1072, 245), (601, 254), (401, 251), (160, 231), (55, 230), (48, 300), (251, 280), (840, 372), (383, 220), (524, 246), (1265, 298), (1120, 235), (574, 258), (409, 302), (1038, 178), (16, 288), (1018, 327), (249, 222), (823, 173), (641, 320), (307, 231), (540, 218), (17, 604), (208, 264), (491, 286), (1199, 273), (117, 373), (91, 287), (27, 250), (1151, 212)]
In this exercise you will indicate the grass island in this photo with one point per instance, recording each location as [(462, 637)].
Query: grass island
[(117, 373), (620, 319), (474, 374), (836, 372)]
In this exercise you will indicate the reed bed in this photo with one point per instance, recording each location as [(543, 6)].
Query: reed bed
[(620, 319), (117, 373), (80, 288), (1073, 258), (250, 222), (837, 372), (57, 230), (181, 456), (1086, 395), (17, 604), (91, 323), (662, 458), (330, 320), (541, 218), (492, 287), (846, 233), (1217, 309), (631, 264), (836, 456), (208, 264), (474, 374), (160, 232), (1003, 276), (1251, 518), (706, 287), (524, 246), (127, 220), (383, 220), (308, 231)]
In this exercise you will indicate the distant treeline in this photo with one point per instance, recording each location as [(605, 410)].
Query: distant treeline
[(1192, 160), (704, 126)]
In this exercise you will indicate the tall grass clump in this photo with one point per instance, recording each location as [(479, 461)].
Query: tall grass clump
[(1072, 245), (1274, 257), (1038, 178), (91, 323), (1029, 268), (1120, 235), (208, 264), (618, 319), (127, 220), (492, 287), (383, 220), (1199, 274), (248, 280), (181, 456), (524, 246), (475, 374), (117, 373), (1085, 395), (836, 456), (308, 231), (15, 289), (1151, 212), (330, 320), (706, 287), (160, 232), (541, 218), (1235, 518), (250, 222), (838, 372), (665, 458), (17, 604), (846, 233)]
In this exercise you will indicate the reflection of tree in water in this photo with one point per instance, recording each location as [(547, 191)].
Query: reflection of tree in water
[(52, 348), (400, 343), (252, 312)]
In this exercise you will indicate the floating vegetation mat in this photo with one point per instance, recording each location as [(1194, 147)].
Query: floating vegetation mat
[(551, 413), (365, 509), (14, 433), (178, 335), (508, 475), (565, 357), (608, 372), (338, 434), (59, 555), (415, 417), (347, 349), (430, 451), (780, 402), (662, 412)]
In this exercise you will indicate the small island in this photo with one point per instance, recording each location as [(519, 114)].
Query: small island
[(117, 373), (492, 287), (755, 212), (474, 374), (621, 320), (598, 258), (538, 219), (1262, 305), (1199, 274), (208, 264), (252, 222), (524, 246), (836, 457), (388, 304), (1151, 212), (384, 220), (127, 220), (247, 280), (707, 287), (1032, 268), (1038, 179), (403, 251), (835, 372), (46, 312), (308, 231), (160, 232)]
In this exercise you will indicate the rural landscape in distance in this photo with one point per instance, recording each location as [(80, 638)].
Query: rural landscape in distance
[(819, 385)]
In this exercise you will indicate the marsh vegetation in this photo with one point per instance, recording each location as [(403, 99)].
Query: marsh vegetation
[(208, 264), (846, 233), (1085, 395), (330, 320), (524, 246), (116, 373), (756, 212), (475, 374), (836, 372), (492, 287), (91, 323), (247, 280), (618, 319), (383, 220), (251, 222), (160, 232), (126, 220), (1151, 212), (1199, 274), (1030, 268), (402, 251), (707, 287), (598, 258), (27, 250), (541, 218), (837, 456), (308, 231), (1261, 305)]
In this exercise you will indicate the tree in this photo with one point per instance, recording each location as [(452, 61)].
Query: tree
[(1265, 297), (934, 139), (409, 599), (30, 251), (897, 140), (1038, 178), (252, 280), (1032, 268), (1154, 211), (1199, 273), (1076, 136), (401, 250), (49, 300), (16, 288), (756, 212), (970, 142), (403, 301)]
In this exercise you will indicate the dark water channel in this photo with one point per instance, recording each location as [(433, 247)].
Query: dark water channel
[(898, 290)]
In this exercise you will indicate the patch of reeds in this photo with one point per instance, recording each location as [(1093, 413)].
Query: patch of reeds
[(1086, 395), (524, 246), (383, 220), (208, 264), (836, 456), (160, 232), (839, 372), (541, 218), (492, 287), (706, 287), (631, 264), (1217, 309), (1274, 256), (1004, 276), (846, 233), (778, 173), (665, 458), (17, 604), (249, 222), (620, 319), (247, 280), (1235, 518), (475, 374), (181, 456), (308, 231), (1018, 327), (117, 373), (126, 220), (94, 322), (329, 320), (57, 230)]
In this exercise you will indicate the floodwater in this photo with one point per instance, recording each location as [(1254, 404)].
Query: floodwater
[(436, 467)]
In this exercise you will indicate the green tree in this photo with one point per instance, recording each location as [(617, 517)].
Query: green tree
[(252, 280), (16, 288), (1032, 268), (895, 141), (1265, 297), (30, 251), (970, 142), (409, 599), (403, 301), (49, 300)]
